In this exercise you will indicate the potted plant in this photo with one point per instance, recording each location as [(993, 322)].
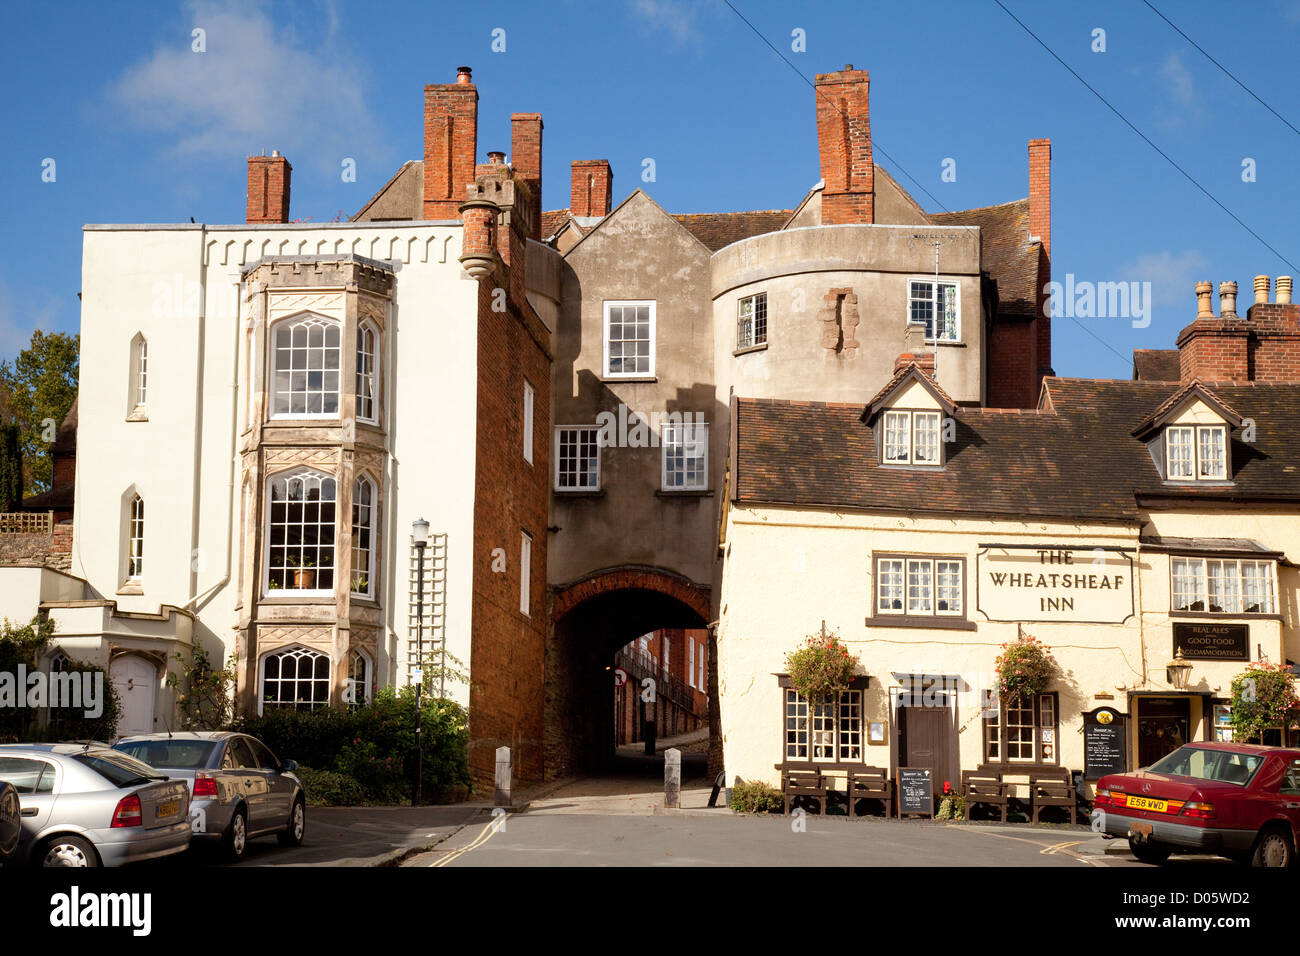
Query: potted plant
[(1025, 667), (304, 572), (821, 668), (1264, 698), (952, 805)]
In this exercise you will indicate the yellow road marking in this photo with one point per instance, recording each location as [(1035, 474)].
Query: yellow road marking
[(486, 834)]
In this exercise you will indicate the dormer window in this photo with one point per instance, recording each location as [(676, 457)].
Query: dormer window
[(911, 438), (1196, 452)]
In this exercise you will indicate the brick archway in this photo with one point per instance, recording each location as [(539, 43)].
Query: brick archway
[(692, 595)]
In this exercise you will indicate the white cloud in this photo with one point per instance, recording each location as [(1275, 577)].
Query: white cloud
[(1180, 88), (1173, 276), (259, 86), (674, 17)]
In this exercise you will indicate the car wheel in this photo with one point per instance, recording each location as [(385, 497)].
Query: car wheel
[(293, 833), (1272, 849), (235, 839), (1148, 852), (68, 851)]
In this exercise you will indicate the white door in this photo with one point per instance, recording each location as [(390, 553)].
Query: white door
[(136, 681)]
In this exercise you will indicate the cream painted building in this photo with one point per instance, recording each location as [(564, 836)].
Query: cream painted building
[(1119, 523)]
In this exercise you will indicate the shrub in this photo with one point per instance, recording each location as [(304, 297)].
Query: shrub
[(374, 743), (756, 797), (204, 694), (822, 668), (1025, 667), (325, 788)]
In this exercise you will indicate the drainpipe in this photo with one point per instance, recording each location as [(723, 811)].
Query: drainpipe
[(196, 497), (201, 600)]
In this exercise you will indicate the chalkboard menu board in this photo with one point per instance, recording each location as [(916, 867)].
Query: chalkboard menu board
[(1104, 743), (915, 790)]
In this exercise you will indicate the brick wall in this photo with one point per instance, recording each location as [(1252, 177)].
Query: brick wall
[(1040, 225), (450, 144), (28, 550), (1274, 354), (844, 145), (507, 659), (1215, 350), (268, 189), (1013, 364)]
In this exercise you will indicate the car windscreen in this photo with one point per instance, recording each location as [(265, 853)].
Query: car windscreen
[(178, 754), (1201, 763), (117, 768)]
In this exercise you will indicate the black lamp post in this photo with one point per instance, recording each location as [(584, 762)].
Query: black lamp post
[(420, 535)]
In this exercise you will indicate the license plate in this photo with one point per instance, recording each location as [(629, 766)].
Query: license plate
[(1139, 829), (1145, 803), (166, 809)]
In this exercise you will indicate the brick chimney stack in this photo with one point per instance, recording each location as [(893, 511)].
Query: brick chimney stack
[(526, 159), (1040, 225), (450, 144), (844, 143), (1262, 347), (268, 188), (591, 184)]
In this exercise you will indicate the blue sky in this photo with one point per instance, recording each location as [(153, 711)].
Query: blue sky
[(142, 129)]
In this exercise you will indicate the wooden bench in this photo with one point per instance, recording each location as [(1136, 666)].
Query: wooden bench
[(981, 787), (797, 783), (871, 783), (1052, 788)]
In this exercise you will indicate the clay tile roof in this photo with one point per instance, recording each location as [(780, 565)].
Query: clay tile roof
[(1156, 365), (66, 438), (552, 220), (1078, 461), (1192, 388), (1009, 255), (718, 229), (910, 370)]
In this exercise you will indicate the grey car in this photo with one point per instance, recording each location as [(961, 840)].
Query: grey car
[(87, 805), (238, 789)]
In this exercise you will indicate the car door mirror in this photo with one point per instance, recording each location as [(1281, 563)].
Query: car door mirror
[(288, 766)]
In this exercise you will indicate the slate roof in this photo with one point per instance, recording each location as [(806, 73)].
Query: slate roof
[(718, 229), (1008, 254), (1073, 458), (1156, 365)]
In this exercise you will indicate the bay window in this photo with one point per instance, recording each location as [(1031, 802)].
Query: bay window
[(300, 533)]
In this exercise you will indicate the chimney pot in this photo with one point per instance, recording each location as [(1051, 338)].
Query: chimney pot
[(464, 75), (1261, 289), (1204, 306), (1228, 300), (496, 158), (1283, 290)]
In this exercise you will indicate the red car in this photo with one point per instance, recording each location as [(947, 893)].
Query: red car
[(1238, 800)]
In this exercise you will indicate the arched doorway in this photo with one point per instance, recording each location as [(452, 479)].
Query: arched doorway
[(593, 618), (136, 681)]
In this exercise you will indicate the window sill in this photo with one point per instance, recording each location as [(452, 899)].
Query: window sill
[(130, 588), (291, 597), (1228, 615), (946, 344), (909, 466), (684, 493), (935, 622), (138, 414), (629, 378), (762, 346), (579, 492), (1199, 483)]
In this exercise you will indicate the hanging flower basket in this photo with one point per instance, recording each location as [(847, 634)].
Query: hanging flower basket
[(1025, 667), (1263, 698), (821, 668)]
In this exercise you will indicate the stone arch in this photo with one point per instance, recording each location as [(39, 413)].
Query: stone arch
[(632, 577)]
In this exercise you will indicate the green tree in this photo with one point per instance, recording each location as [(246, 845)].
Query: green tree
[(40, 386), (11, 468)]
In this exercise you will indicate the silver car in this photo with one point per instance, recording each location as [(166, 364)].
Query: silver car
[(238, 789), (87, 805)]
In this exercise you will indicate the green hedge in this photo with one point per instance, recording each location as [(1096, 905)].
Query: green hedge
[(373, 745)]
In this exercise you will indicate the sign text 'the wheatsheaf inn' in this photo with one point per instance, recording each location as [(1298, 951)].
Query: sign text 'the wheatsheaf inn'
[(1045, 583)]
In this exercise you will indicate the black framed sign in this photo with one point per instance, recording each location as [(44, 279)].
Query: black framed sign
[(916, 791), (1198, 641), (1105, 743)]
